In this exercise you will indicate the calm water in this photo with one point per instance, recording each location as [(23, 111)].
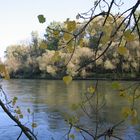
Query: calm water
[(50, 100)]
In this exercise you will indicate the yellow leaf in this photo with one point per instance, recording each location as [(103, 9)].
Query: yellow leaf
[(91, 89), (126, 111), (107, 30), (105, 39), (14, 101), (67, 79), (129, 36), (34, 125), (56, 34), (72, 119), (20, 116), (115, 85), (122, 93), (109, 19), (71, 25), (81, 42), (69, 48), (43, 45), (67, 36), (18, 111), (15, 98), (122, 50), (72, 136), (56, 57)]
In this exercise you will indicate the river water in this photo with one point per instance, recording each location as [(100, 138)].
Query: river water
[(50, 100)]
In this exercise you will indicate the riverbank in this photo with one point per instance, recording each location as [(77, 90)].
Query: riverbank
[(103, 78), (89, 76)]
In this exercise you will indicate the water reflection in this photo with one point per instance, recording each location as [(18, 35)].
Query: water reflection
[(50, 99)]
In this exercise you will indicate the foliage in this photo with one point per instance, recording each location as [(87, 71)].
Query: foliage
[(41, 18), (60, 50)]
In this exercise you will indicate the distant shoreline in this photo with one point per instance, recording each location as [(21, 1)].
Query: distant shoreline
[(79, 79)]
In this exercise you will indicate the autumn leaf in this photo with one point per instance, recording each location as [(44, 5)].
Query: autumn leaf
[(34, 125), (81, 42), (18, 111), (71, 25), (72, 136), (14, 101), (41, 18), (105, 39), (67, 36), (129, 36), (67, 79), (56, 33), (126, 111), (43, 45), (122, 93), (122, 50), (91, 89), (21, 116), (115, 85)]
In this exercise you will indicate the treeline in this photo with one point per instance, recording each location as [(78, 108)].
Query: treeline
[(52, 57)]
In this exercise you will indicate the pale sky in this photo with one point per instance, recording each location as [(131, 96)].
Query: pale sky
[(18, 18)]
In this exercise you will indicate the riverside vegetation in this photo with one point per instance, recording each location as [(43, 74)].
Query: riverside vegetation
[(58, 54)]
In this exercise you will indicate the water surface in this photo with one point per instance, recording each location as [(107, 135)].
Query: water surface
[(50, 100)]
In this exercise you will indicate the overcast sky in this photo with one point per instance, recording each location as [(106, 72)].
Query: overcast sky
[(18, 18)]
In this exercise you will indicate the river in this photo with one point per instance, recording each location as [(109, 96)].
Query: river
[(49, 100)]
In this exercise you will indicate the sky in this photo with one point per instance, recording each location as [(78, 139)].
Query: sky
[(18, 18)]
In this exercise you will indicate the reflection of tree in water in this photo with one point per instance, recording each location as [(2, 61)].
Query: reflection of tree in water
[(104, 112), (50, 100)]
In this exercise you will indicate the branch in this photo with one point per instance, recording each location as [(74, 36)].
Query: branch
[(19, 135), (136, 25), (24, 129), (82, 129)]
